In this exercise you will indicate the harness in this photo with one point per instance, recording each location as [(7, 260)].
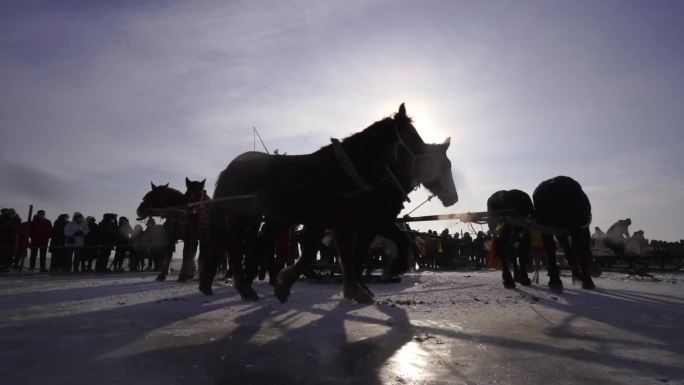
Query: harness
[(347, 166)]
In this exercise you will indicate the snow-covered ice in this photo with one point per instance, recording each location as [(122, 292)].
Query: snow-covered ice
[(432, 328)]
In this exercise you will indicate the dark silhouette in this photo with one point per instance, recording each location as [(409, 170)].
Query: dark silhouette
[(193, 229), (40, 232), (560, 203), (74, 233), (9, 230), (335, 187), (123, 245), (57, 244), (513, 244), (92, 242), (108, 235), (168, 203), (617, 236)]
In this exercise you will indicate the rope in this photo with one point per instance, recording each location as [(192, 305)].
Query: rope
[(483, 216), (424, 202)]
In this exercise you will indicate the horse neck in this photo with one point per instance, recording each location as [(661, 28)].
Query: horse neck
[(174, 198)]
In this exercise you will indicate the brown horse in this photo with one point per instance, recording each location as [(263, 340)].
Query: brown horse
[(335, 187)]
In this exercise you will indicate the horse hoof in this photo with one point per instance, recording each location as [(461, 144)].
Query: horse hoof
[(248, 294), (364, 287), (524, 280), (206, 289), (509, 284), (182, 278), (282, 292), (364, 298), (556, 287), (576, 279), (358, 294), (588, 285), (161, 277)]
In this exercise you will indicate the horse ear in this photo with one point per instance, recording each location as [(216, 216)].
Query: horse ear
[(187, 182), (202, 182), (446, 143), (153, 186), (402, 111), (166, 185)]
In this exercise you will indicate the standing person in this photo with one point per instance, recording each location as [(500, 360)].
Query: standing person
[(57, 244), (123, 243), (41, 231), (74, 233), (9, 229), (138, 251), (23, 243), (108, 231), (90, 252)]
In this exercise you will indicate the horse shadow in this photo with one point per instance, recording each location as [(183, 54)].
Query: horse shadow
[(272, 343)]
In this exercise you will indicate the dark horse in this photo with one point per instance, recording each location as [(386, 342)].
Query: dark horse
[(513, 243), (341, 186), (560, 203), (168, 203)]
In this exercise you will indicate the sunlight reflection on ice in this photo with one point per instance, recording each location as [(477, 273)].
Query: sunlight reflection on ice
[(408, 363)]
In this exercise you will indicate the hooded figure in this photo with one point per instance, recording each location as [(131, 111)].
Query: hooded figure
[(74, 233)]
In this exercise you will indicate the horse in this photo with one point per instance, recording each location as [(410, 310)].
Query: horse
[(517, 204), (169, 203), (340, 187), (560, 202)]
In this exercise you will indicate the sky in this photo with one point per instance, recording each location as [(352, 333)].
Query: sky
[(100, 98)]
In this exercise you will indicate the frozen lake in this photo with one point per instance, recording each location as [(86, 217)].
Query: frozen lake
[(432, 328)]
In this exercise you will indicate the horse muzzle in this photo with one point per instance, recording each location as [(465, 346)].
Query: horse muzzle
[(448, 200)]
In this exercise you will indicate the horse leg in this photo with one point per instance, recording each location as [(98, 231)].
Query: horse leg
[(209, 267), (216, 250), (270, 233), (506, 252), (364, 238), (236, 229), (288, 276), (251, 253), (344, 239), (167, 255), (555, 283), (188, 267), (523, 254), (571, 257), (580, 243)]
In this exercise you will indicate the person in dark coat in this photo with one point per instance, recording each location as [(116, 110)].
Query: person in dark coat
[(40, 233), (9, 229), (91, 243), (123, 243), (23, 243), (108, 236), (57, 250)]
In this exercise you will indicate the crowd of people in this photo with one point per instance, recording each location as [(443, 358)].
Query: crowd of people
[(620, 242), (79, 243)]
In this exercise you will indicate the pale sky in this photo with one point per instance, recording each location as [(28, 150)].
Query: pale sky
[(98, 98)]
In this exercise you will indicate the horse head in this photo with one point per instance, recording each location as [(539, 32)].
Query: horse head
[(159, 197), (424, 163), (195, 190)]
